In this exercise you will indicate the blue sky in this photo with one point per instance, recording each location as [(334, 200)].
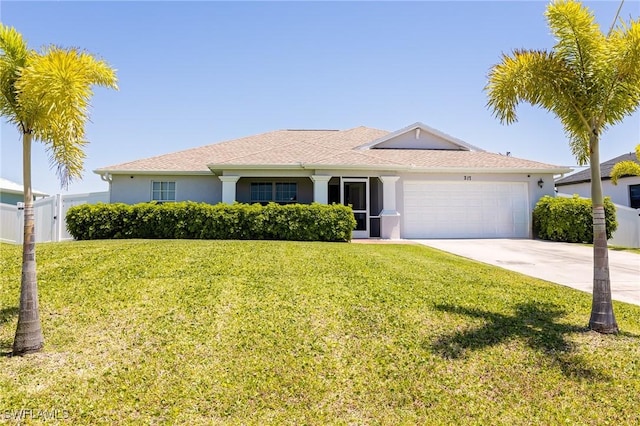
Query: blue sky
[(195, 73)]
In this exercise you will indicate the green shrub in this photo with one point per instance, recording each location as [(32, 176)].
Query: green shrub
[(189, 220), (570, 219)]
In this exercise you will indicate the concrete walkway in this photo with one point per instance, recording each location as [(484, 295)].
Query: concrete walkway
[(562, 263)]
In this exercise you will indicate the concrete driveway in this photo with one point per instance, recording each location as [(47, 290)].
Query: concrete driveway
[(562, 263)]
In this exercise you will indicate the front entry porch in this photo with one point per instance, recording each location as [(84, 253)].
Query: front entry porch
[(372, 198)]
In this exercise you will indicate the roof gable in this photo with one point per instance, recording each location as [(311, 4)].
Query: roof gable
[(419, 136)]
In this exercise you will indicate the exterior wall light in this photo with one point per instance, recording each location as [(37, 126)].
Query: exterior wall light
[(540, 183)]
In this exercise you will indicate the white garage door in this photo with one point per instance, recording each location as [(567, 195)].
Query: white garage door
[(465, 210)]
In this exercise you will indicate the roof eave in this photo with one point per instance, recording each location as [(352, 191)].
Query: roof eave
[(575, 182), (500, 170), (388, 167), (102, 172)]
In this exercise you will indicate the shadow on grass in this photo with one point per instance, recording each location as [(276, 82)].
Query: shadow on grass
[(6, 315), (533, 323), (627, 249)]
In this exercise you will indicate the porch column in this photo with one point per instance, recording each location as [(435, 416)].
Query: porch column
[(229, 188), (321, 188), (389, 217)]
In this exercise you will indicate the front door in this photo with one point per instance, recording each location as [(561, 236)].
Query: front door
[(354, 193)]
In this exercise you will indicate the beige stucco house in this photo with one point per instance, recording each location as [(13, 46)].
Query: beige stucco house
[(416, 182)]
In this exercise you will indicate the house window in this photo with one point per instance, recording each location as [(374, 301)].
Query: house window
[(286, 192), (280, 192), (634, 196), (261, 192), (163, 191)]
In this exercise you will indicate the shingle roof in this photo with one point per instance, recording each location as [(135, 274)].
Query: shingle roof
[(320, 149), (196, 159), (605, 170)]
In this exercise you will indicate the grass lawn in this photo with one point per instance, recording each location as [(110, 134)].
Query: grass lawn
[(222, 332), (627, 249)]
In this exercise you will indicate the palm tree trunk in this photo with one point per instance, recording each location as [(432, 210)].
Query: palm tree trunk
[(602, 319), (28, 336)]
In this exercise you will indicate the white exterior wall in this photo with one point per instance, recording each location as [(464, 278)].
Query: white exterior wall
[(619, 193), (137, 189)]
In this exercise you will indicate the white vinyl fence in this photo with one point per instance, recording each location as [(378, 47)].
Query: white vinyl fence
[(49, 213), (628, 232)]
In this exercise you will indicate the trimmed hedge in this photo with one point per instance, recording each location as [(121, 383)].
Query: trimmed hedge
[(190, 220), (570, 219)]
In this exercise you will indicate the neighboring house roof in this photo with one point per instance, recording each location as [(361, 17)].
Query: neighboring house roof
[(605, 170), (416, 147), (10, 187)]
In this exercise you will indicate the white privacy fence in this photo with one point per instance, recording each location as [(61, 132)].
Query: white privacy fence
[(9, 224), (50, 216), (628, 232)]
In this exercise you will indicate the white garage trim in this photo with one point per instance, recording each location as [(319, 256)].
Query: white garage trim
[(465, 210)]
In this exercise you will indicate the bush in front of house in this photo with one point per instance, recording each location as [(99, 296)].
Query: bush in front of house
[(189, 220), (570, 219)]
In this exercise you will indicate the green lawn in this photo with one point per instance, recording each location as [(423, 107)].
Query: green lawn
[(219, 332), (627, 249)]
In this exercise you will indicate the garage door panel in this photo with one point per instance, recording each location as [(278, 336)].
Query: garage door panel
[(465, 210)]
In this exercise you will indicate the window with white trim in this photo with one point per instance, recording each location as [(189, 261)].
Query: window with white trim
[(163, 191), (280, 192)]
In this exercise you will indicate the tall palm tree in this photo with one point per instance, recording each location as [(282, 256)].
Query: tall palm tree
[(46, 95), (590, 81)]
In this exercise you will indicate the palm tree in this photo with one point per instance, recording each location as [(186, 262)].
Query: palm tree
[(46, 95), (625, 168), (590, 81)]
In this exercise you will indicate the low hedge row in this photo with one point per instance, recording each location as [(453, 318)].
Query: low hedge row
[(570, 219), (190, 220)]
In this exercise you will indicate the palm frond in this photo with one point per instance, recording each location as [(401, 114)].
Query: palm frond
[(535, 77), (54, 92), (13, 57), (579, 145), (620, 73), (579, 39)]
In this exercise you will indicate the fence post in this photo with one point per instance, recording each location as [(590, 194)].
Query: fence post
[(58, 219), (20, 231)]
